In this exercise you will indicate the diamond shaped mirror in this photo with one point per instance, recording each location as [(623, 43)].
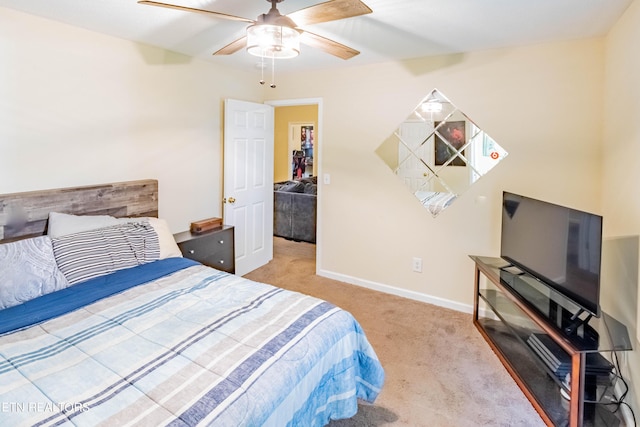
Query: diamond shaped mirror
[(439, 152)]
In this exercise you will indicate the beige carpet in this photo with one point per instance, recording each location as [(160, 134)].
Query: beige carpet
[(439, 370)]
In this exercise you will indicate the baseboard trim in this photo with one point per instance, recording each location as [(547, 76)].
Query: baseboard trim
[(417, 296)]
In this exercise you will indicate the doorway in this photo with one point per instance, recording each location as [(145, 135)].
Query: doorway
[(281, 157)]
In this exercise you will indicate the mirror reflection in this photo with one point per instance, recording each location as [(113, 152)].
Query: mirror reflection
[(438, 152)]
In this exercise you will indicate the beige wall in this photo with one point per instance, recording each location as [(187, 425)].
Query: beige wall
[(621, 175), (543, 104), (283, 117), (80, 108)]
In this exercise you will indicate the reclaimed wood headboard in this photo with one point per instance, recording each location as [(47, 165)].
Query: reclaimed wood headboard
[(24, 215)]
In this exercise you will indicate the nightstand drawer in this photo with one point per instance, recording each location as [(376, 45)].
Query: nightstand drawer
[(213, 248)]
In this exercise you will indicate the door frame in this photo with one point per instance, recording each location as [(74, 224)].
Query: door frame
[(317, 160)]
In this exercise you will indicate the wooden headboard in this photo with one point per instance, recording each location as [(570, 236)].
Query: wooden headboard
[(25, 214)]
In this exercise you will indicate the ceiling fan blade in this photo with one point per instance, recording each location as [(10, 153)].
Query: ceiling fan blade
[(329, 46), (232, 47), (329, 11), (191, 9)]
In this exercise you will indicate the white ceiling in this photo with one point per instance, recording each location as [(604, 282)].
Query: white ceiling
[(397, 29)]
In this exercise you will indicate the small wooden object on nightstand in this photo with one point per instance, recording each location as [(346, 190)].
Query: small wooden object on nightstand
[(209, 224), (214, 248)]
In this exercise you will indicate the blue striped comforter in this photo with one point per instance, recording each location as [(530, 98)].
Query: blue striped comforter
[(193, 347)]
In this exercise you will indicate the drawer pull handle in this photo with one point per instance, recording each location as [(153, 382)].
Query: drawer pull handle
[(221, 242), (221, 261), (191, 251)]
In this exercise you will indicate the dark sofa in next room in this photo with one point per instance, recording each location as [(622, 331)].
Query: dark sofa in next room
[(294, 209)]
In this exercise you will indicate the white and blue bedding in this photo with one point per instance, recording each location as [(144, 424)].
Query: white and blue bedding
[(172, 342)]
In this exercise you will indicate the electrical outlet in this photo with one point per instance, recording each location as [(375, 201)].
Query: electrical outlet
[(417, 264)]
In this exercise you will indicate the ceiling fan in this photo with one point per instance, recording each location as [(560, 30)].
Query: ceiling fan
[(286, 29)]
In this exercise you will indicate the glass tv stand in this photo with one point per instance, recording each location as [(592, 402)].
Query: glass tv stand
[(560, 358)]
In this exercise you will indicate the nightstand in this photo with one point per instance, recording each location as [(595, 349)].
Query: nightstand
[(214, 248)]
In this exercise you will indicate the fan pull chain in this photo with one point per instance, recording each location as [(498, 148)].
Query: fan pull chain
[(262, 69), (273, 72)]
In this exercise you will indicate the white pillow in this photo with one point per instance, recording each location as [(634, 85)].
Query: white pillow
[(61, 224), (168, 246)]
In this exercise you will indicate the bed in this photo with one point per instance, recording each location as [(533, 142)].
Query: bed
[(104, 323)]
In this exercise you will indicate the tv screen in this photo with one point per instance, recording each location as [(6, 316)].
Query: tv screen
[(558, 245)]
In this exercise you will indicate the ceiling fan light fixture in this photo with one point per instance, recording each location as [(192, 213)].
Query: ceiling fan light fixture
[(273, 41)]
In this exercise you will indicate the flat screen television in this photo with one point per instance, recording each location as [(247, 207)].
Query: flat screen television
[(558, 245)]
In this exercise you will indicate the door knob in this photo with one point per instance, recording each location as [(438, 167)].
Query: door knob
[(231, 200)]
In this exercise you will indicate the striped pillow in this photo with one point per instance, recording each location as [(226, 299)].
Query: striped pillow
[(93, 253)]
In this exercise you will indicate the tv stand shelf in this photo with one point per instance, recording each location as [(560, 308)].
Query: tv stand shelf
[(566, 376)]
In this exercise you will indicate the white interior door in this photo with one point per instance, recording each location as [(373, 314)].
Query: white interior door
[(248, 181), (411, 168)]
